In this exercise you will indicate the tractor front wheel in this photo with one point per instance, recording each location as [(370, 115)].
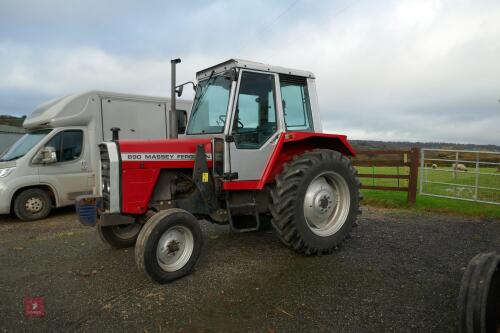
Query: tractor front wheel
[(315, 203), (169, 245)]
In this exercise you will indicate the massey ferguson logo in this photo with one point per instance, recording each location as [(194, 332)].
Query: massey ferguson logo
[(161, 157)]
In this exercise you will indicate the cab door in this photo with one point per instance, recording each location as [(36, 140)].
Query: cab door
[(255, 124), (71, 175)]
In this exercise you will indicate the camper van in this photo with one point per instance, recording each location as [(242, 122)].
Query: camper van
[(58, 157)]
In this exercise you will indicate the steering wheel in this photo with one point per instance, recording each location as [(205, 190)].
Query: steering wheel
[(222, 120)]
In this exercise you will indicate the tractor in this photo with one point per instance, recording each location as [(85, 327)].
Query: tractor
[(253, 155)]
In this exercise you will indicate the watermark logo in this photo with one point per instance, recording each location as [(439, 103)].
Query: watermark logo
[(34, 307)]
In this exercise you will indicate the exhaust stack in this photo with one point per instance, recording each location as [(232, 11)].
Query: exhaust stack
[(173, 111)]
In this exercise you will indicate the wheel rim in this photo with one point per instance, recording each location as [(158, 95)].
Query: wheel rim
[(126, 231), (34, 205), (175, 248), (326, 203)]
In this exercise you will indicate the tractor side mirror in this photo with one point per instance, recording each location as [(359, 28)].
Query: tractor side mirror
[(47, 155), (179, 91), (180, 88)]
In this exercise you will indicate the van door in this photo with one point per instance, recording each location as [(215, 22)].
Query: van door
[(71, 175), (136, 119)]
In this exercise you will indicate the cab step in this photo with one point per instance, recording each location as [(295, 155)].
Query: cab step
[(254, 220)]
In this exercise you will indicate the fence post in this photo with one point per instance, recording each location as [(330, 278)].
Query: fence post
[(476, 195), (422, 170), (412, 181)]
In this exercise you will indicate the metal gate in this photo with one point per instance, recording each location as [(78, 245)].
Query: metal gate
[(461, 174)]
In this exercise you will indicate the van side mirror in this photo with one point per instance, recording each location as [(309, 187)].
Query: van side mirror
[(181, 121), (47, 155)]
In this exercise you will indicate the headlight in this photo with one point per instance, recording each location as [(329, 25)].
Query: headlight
[(5, 172)]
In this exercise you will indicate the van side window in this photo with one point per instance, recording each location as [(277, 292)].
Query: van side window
[(67, 144), (296, 103), (181, 121)]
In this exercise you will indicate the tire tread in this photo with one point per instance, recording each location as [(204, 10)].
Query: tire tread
[(284, 198)]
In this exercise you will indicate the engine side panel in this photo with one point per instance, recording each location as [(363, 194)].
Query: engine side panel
[(142, 162)]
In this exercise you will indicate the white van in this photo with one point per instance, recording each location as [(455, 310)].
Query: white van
[(57, 159)]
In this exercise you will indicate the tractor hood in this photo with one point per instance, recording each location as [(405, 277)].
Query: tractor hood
[(136, 153)]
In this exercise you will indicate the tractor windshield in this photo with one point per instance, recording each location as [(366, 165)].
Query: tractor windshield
[(208, 115)]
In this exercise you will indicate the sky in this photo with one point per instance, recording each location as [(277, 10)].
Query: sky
[(402, 70)]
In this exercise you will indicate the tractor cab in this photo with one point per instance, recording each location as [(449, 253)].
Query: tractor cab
[(249, 105)]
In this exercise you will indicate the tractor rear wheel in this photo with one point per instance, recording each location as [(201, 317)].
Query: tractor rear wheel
[(315, 202), (479, 296), (169, 245), (120, 236)]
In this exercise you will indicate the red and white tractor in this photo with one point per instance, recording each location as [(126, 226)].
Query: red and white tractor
[(253, 154)]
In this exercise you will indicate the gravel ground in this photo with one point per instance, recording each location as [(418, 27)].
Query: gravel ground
[(399, 272)]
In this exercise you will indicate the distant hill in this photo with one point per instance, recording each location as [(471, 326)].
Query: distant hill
[(11, 120), (370, 144)]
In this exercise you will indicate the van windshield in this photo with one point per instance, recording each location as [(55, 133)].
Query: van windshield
[(24, 145)]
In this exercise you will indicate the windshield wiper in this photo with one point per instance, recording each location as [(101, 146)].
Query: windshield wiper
[(198, 99)]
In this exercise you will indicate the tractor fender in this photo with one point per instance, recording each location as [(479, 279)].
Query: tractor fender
[(295, 143)]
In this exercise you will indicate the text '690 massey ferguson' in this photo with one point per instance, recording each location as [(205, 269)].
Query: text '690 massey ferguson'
[(254, 154)]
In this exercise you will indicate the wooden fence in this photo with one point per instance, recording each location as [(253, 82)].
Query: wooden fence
[(399, 158)]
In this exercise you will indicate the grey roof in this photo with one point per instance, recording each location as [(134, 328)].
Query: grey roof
[(71, 110), (240, 63), (11, 129)]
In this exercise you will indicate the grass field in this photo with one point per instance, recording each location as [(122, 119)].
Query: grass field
[(391, 199)]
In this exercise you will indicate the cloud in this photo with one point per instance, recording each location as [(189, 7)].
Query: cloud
[(399, 70), (425, 70)]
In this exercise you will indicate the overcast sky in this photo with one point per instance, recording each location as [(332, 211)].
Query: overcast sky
[(423, 70)]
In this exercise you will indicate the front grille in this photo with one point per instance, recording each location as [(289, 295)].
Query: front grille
[(105, 175)]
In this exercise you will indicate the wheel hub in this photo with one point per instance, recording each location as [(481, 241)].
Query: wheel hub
[(326, 203), (34, 205), (175, 248)]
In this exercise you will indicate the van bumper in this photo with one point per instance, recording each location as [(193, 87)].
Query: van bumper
[(90, 212), (5, 197)]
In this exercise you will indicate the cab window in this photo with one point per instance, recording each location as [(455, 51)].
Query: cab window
[(67, 144), (296, 103), (255, 117)]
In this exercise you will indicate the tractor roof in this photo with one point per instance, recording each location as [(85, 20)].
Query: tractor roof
[(239, 63)]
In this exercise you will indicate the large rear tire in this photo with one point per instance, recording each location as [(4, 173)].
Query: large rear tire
[(315, 202), (120, 236), (169, 245), (479, 297)]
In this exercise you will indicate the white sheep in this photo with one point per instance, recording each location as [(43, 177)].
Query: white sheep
[(434, 166), (459, 167)]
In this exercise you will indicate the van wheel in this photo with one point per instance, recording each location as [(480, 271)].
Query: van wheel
[(120, 236), (32, 204)]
